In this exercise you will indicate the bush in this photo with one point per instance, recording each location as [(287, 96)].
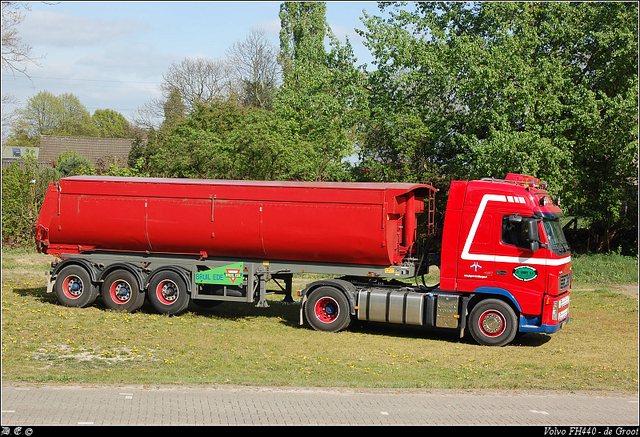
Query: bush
[(23, 192), (71, 163)]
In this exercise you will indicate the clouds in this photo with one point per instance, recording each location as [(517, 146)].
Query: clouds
[(112, 55), (105, 62), (270, 27), (62, 30)]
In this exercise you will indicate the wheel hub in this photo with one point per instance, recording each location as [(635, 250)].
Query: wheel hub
[(327, 310), (121, 291), (492, 323), (169, 292)]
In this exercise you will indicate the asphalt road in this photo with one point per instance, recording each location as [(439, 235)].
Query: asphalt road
[(50, 404)]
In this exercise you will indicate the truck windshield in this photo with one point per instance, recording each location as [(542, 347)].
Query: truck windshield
[(555, 236)]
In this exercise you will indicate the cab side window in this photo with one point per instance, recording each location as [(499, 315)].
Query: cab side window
[(515, 234)]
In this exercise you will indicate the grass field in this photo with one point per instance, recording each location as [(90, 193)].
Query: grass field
[(43, 341)]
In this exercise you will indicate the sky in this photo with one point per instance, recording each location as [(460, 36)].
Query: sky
[(111, 55)]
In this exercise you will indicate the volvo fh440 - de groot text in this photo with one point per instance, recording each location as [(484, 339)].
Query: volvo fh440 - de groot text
[(505, 266)]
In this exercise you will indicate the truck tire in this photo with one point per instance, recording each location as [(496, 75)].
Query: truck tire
[(74, 287), (327, 309), (493, 322), (120, 291), (168, 293)]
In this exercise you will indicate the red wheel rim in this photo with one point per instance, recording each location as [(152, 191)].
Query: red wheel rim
[(492, 323), (167, 292), (120, 291), (327, 310), (72, 287)]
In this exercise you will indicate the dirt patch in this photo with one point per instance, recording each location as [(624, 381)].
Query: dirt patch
[(629, 290)]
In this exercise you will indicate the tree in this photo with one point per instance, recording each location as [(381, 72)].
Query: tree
[(199, 81), (23, 192), (322, 99), (110, 123), (174, 110), (254, 62), (303, 28), (71, 163), (46, 114), (16, 54), (482, 89), (225, 141)]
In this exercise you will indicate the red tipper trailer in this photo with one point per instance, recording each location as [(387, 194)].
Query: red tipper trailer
[(350, 223), (505, 265)]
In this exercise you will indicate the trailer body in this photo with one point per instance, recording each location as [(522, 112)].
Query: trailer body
[(355, 223), (505, 266)]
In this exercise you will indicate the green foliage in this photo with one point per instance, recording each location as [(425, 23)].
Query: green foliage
[(110, 123), (72, 163), (303, 27), (46, 114), (23, 192), (224, 141), (64, 115), (605, 268), (482, 89), (174, 110), (323, 99)]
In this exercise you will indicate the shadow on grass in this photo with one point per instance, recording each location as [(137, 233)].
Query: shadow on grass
[(289, 315), (439, 334)]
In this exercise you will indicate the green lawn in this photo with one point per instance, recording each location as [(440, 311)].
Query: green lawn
[(240, 344)]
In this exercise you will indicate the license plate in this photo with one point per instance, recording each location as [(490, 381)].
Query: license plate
[(563, 314)]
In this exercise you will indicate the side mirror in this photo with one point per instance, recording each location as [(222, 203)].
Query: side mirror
[(533, 235)]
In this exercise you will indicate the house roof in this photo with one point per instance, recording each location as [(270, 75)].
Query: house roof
[(91, 148)]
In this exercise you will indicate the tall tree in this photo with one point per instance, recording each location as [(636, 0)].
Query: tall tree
[(482, 89), (303, 28), (322, 100), (175, 110)]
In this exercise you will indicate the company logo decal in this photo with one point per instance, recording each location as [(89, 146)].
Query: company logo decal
[(525, 273), (233, 274), (225, 275)]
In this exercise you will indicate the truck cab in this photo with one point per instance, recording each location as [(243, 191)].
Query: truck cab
[(502, 239)]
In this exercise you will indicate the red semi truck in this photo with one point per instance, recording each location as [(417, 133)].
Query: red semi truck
[(505, 266)]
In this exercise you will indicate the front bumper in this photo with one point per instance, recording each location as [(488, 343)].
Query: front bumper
[(526, 326)]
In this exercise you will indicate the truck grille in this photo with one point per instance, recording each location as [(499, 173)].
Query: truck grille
[(565, 281)]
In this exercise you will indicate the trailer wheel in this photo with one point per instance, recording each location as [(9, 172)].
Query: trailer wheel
[(327, 309), (168, 293), (120, 291), (74, 287), (493, 322)]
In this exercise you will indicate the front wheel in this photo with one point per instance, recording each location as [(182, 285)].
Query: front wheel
[(327, 309), (493, 322)]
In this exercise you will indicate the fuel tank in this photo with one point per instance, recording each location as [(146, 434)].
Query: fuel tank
[(345, 223)]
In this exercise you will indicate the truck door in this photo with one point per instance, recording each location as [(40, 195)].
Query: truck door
[(520, 262)]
